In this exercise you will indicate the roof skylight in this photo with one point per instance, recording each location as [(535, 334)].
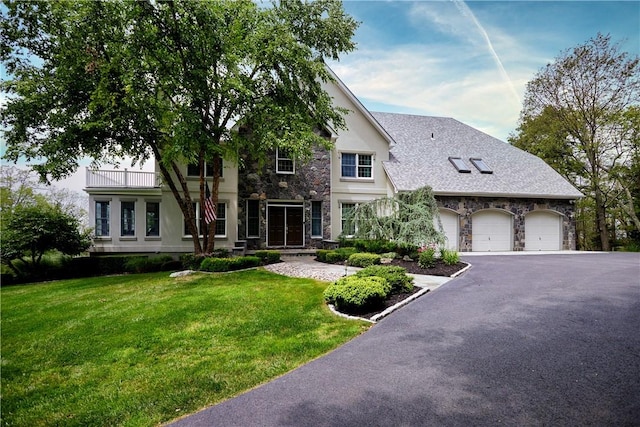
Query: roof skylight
[(459, 164), (481, 165)]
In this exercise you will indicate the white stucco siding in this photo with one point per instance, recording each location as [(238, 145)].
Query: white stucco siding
[(361, 137)]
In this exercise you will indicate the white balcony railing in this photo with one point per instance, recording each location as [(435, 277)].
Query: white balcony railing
[(122, 179)]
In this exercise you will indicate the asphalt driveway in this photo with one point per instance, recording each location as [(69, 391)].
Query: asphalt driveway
[(517, 340)]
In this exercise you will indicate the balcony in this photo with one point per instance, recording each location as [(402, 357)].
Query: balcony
[(122, 179)]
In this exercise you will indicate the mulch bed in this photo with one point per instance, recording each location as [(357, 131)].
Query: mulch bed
[(440, 269)]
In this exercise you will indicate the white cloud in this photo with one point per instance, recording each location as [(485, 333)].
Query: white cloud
[(425, 80)]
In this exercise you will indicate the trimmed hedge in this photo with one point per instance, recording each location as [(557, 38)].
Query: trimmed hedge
[(229, 264), (357, 293), (363, 259), (151, 264), (268, 256), (396, 276), (334, 256)]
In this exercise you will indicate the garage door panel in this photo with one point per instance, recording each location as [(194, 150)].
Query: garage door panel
[(450, 221), (492, 231), (542, 231)]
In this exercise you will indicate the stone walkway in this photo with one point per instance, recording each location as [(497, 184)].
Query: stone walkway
[(308, 267)]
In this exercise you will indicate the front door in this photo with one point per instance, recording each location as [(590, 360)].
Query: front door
[(286, 226)]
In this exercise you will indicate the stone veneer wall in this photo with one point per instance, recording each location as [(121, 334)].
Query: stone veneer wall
[(467, 206), (311, 182)]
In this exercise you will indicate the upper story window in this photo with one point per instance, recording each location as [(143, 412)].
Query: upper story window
[(356, 165), (193, 170), (481, 165), (284, 161), (459, 164)]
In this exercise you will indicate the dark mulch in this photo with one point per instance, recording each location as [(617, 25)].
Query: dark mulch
[(440, 269)]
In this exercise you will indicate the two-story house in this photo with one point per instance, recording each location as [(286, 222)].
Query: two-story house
[(492, 196)]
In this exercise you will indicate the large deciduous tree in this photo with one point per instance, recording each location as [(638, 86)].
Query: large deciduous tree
[(580, 115), (168, 80)]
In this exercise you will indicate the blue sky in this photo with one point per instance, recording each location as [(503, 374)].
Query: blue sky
[(470, 60)]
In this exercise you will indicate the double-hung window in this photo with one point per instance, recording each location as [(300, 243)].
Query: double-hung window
[(102, 218), (153, 219), (193, 170), (316, 219), (357, 165), (253, 218), (127, 218), (284, 162), (348, 227), (221, 220)]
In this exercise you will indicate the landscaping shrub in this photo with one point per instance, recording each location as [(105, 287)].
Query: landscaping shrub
[(242, 262), (335, 255), (216, 264), (268, 257), (321, 254), (191, 261), (356, 293), (229, 264), (405, 249), (363, 259), (449, 257), (396, 276), (147, 264), (221, 253), (375, 246), (427, 258)]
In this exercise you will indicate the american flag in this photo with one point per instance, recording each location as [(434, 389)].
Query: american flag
[(209, 207)]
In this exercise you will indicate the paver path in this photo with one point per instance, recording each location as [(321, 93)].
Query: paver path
[(529, 340)]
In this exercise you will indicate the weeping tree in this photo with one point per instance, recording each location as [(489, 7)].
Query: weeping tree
[(408, 218)]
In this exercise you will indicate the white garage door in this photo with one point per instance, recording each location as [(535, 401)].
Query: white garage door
[(491, 231), (542, 231), (449, 222)]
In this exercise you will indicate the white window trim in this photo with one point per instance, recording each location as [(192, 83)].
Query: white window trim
[(146, 236), (247, 219), (316, 236), (278, 158), (95, 218), (355, 204), (200, 235), (357, 166), (135, 210)]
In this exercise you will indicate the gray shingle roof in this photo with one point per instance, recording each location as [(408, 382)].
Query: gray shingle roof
[(417, 159)]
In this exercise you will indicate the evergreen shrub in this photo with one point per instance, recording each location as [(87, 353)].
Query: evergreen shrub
[(363, 259), (229, 264), (268, 256), (396, 276), (354, 293), (147, 264)]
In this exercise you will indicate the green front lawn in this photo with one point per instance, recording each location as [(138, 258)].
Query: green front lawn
[(143, 349)]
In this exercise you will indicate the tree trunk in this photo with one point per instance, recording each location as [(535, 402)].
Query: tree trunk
[(601, 221), (214, 196)]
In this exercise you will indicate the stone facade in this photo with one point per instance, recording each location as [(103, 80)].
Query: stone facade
[(310, 182), (465, 207)]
